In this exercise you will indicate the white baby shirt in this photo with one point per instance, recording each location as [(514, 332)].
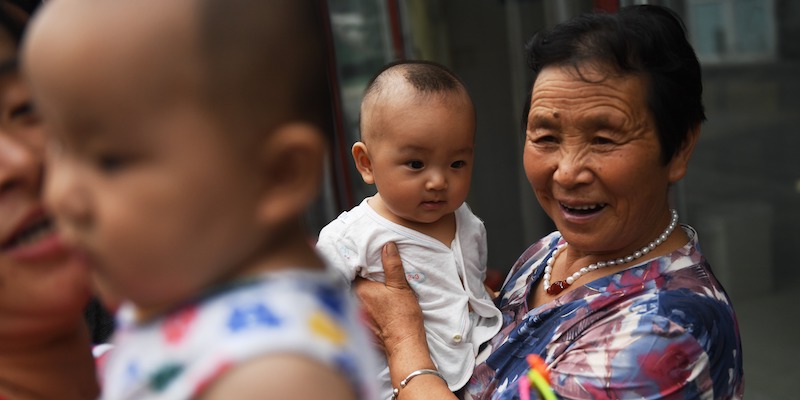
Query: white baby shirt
[(448, 281)]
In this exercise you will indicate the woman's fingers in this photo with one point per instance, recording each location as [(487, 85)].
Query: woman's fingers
[(391, 309), (393, 267), (372, 327)]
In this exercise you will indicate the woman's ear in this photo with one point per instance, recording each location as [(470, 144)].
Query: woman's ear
[(680, 161), (363, 162), (292, 160)]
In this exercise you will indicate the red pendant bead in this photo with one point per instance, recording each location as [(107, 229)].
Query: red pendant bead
[(557, 287)]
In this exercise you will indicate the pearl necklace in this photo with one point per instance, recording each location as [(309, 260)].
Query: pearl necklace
[(558, 286)]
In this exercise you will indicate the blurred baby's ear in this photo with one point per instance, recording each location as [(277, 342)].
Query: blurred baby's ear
[(292, 161)]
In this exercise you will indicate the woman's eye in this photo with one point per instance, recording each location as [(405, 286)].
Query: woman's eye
[(544, 139), (602, 140), (415, 164), (458, 164)]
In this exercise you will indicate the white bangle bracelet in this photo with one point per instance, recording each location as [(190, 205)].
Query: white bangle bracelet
[(410, 376)]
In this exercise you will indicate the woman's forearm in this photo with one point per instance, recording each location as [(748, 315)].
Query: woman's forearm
[(407, 356)]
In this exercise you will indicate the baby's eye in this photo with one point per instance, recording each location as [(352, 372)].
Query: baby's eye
[(416, 164), (22, 109), (458, 164), (111, 163)]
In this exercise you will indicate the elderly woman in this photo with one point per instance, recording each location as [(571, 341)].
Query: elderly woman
[(45, 347), (619, 301)]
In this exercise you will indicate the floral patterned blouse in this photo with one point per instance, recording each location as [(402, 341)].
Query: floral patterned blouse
[(661, 329)]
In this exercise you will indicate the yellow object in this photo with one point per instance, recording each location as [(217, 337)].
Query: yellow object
[(322, 325)]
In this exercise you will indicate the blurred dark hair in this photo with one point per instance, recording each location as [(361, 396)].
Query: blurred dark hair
[(644, 40), (14, 16), (424, 76)]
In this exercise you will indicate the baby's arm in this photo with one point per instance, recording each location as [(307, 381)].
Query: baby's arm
[(282, 376), (338, 253)]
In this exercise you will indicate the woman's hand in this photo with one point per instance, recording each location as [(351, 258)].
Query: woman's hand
[(391, 308), (396, 321)]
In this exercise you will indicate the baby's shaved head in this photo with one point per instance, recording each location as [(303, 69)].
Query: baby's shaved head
[(413, 82)]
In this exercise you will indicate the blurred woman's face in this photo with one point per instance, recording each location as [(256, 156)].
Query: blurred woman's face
[(42, 287), (592, 157)]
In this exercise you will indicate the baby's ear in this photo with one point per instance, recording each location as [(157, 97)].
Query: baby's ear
[(363, 162), (292, 162)]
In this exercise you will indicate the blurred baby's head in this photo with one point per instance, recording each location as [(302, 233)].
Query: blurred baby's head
[(186, 135), (264, 62)]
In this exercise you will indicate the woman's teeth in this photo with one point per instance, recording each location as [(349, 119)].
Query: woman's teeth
[(583, 209), (30, 234)]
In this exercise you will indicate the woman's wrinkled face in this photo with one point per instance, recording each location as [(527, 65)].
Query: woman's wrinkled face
[(41, 285), (592, 158)]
